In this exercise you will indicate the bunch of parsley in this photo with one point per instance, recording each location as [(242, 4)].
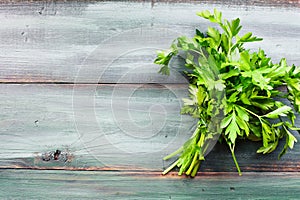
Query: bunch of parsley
[(234, 93)]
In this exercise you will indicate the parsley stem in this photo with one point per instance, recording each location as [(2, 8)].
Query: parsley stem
[(234, 159), (195, 163), (195, 159), (174, 153), (249, 111), (195, 170), (170, 168)]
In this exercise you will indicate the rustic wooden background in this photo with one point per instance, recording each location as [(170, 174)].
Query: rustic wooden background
[(79, 77)]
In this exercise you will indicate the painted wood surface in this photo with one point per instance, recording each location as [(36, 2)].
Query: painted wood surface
[(20, 184), (111, 42), (76, 78), (99, 127)]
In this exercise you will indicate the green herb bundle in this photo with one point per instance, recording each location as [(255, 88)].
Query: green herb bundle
[(234, 93)]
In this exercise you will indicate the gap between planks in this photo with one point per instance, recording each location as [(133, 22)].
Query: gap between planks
[(158, 174)]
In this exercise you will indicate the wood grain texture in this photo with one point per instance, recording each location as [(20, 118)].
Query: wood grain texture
[(268, 3), (113, 42), (105, 127), (99, 124), (89, 127), (20, 184)]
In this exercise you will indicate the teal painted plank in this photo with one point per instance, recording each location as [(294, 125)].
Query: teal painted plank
[(113, 125), (89, 42), (110, 126), (28, 184)]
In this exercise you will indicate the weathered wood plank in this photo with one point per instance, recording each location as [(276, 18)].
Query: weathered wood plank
[(112, 42), (101, 127), (268, 3), (28, 184)]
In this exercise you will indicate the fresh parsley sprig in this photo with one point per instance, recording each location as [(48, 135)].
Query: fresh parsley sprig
[(234, 93)]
